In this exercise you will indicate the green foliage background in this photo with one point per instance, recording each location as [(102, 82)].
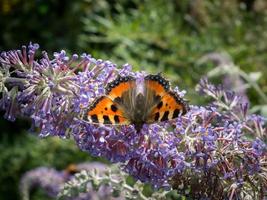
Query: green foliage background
[(152, 35)]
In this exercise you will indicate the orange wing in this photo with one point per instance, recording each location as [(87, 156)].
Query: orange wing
[(105, 111), (157, 84), (116, 88), (169, 105)]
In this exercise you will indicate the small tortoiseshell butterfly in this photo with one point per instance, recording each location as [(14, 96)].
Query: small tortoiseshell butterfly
[(129, 102)]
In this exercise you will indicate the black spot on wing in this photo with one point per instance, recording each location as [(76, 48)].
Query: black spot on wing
[(157, 98), (118, 100), (165, 116), (175, 113), (116, 119), (94, 118), (106, 119), (114, 108), (156, 118), (160, 105), (180, 101)]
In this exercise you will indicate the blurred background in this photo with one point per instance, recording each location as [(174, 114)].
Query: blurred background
[(184, 39)]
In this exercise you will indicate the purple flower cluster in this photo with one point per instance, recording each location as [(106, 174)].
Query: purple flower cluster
[(52, 92), (49, 179), (52, 181), (219, 144)]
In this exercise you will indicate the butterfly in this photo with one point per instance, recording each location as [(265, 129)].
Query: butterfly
[(131, 101)]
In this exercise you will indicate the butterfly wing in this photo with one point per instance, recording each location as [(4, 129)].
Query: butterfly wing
[(106, 111), (110, 109), (119, 86), (166, 104), (169, 107)]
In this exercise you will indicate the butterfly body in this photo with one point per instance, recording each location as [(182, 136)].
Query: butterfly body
[(128, 101)]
